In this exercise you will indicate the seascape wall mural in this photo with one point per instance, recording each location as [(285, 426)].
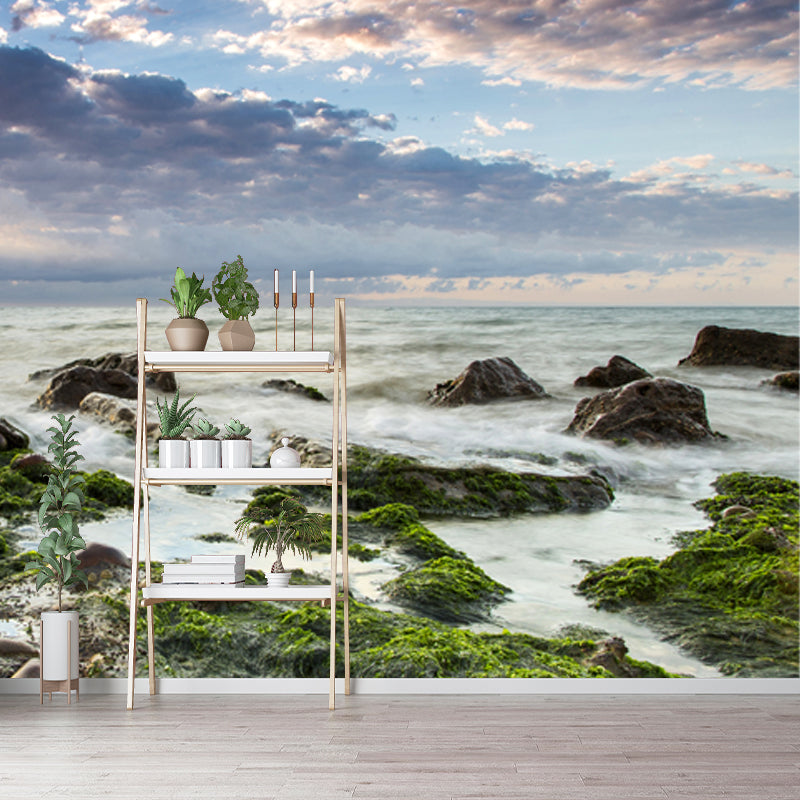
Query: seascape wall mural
[(567, 235)]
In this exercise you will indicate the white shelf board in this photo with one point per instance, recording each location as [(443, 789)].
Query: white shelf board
[(239, 358), (254, 475), (200, 591)]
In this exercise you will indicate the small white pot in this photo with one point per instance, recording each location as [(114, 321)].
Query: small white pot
[(278, 580), (55, 625), (205, 453), (173, 454), (237, 453)]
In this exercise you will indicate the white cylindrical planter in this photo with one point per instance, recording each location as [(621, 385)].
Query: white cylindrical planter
[(237, 453), (173, 454), (54, 645), (278, 580), (205, 453)]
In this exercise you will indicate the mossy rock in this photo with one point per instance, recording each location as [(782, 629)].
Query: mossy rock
[(107, 488), (728, 595), (447, 589)]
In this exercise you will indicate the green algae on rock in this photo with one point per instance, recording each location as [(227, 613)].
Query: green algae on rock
[(728, 595)]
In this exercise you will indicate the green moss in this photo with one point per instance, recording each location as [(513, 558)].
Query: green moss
[(729, 593), (108, 489), (7, 456), (417, 541), (447, 589), (392, 516)]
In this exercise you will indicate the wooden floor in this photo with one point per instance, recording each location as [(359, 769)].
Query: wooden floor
[(416, 747)]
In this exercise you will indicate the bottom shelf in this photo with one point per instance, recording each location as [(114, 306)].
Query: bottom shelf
[(160, 593)]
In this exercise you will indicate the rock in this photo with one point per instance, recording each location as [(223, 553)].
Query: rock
[(11, 437), (98, 555), (117, 411), (650, 411), (738, 511), (33, 466), (165, 381), (788, 381), (617, 372), (293, 387), (742, 347), (30, 669), (68, 388), (486, 381), (16, 647)]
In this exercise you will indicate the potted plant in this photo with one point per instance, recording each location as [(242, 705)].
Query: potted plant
[(237, 300), (187, 332), (56, 560), (173, 449), (293, 529), (204, 448), (237, 449)]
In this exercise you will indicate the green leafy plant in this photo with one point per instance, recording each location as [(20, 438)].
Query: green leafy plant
[(188, 294), (236, 430), (175, 419), (287, 526), (237, 299), (61, 502), (205, 430)]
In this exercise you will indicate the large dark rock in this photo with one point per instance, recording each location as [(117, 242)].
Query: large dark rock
[(117, 411), (734, 347), (127, 362), (617, 372), (485, 381), (650, 411), (68, 388), (11, 437), (788, 381)]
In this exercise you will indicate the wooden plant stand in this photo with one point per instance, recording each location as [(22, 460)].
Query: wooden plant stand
[(69, 683)]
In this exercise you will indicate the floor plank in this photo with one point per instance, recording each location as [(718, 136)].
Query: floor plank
[(433, 747)]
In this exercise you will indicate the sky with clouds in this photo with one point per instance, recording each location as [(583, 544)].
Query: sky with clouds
[(410, 151)]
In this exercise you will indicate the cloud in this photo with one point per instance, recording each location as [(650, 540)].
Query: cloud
[(30, 14), (91, 161), (594, 44), (347, 74), (517, 125), (484, 128)]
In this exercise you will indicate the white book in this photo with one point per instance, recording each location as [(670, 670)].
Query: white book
[(225, 580), (199, 569), (223, 559)]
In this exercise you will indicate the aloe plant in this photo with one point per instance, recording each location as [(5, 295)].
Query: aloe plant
[(175, 419), (292, 528), (188, 294), (205, 430), (236, 430), (237, 299), (60, 504)]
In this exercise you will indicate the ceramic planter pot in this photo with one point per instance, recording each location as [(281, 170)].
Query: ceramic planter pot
[(237, 453), (236, 334), (278, 580), (187, 333), (205, 453), (58, 629), (173, 454)]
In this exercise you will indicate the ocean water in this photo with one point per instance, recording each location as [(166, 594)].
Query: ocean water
[(394, 357)]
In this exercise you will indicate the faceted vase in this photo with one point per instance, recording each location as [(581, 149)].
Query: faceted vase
[(236, 334)]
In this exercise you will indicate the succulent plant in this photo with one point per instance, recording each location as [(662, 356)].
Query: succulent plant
[(175, 419), (205, 430), (236, 430)]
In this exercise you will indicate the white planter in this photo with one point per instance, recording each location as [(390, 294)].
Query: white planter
[(54, 645), (173, 454), (237, 453), (278, 580), (205, 453)]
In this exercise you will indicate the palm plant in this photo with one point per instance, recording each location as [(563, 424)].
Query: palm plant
[(175, 419), (56, 558), (293, 529)]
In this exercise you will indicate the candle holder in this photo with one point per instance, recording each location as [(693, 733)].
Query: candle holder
[(277, 303), (294, 320), (311, 300)]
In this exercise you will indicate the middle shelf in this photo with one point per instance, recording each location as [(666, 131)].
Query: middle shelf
[(255, 476)]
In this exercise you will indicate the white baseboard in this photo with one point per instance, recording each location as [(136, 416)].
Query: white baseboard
[(423, 686)]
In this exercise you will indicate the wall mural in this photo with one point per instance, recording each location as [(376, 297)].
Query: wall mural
[(524, 501)]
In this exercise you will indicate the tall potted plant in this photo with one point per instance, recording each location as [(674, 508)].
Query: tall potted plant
[(187, 332), (56, 560), (173, 449), (293, 528), (237, 300)]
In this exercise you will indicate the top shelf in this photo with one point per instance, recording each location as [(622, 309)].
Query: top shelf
[(238, 361)]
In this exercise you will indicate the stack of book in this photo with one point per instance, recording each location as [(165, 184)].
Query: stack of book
[(227, 570)]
